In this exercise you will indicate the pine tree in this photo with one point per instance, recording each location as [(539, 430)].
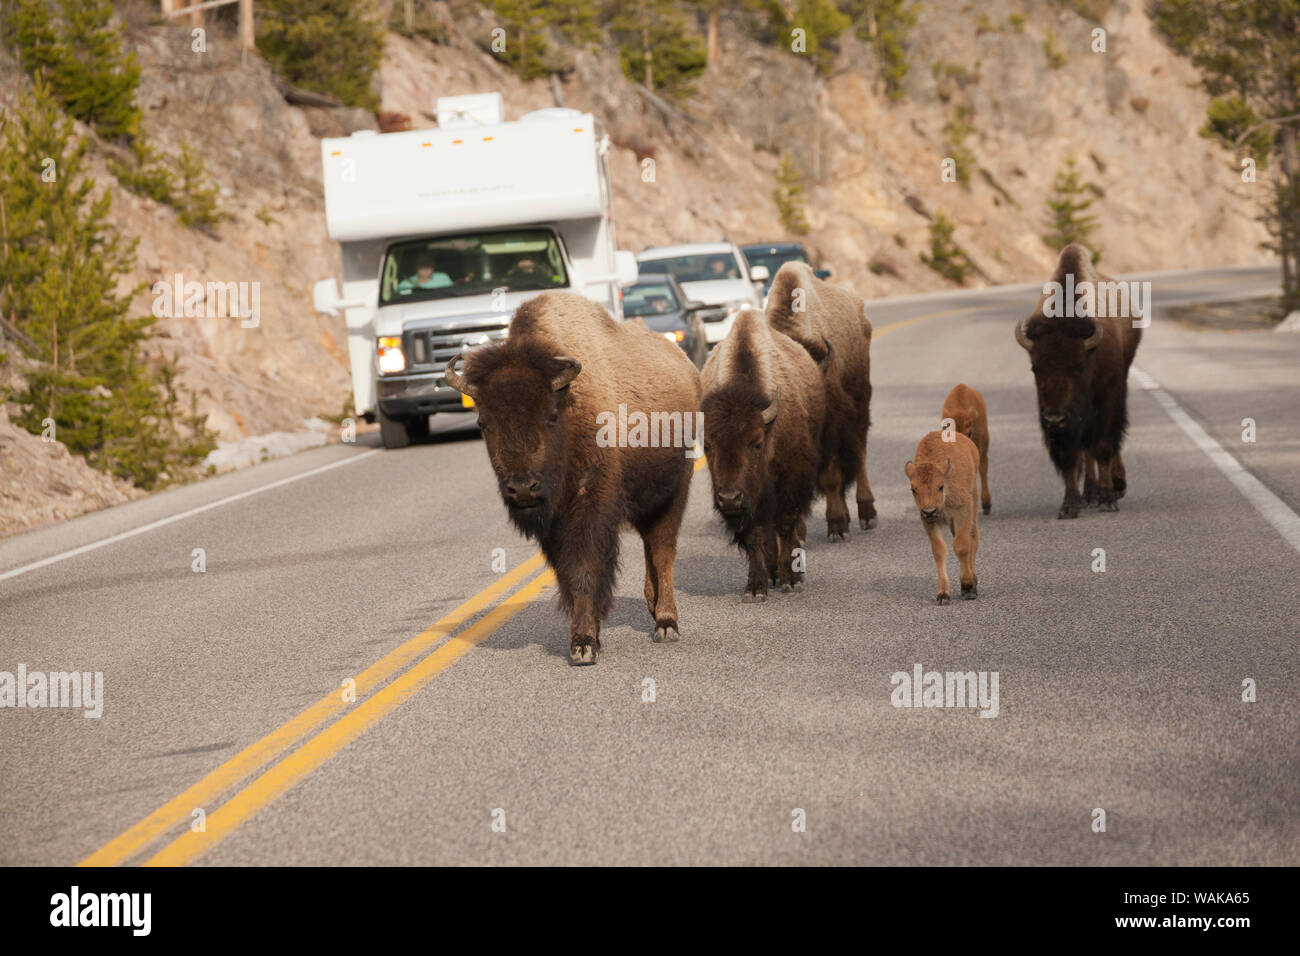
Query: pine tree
[(327, 46), (62, 263), (1248, 53), (78, 48), (196, 196), (946, 257), (884, 25), (1070, 222), (657, 47), (820, 21), (95, 80), (788, 196)]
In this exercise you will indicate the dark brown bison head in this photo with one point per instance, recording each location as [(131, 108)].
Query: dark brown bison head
[(522, 396), (738, 417), (1060, 351)]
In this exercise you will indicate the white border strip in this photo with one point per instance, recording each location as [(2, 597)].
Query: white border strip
[(1270, 506), (103, 542)]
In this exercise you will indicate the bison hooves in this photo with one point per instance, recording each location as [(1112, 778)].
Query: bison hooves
[(584, 650), (1120, 485), (1068, 511), (988, 507), (867, 523), (791, 586), (1108, 506), (943, 599), (754, 597), (969, 592), (665, 634)]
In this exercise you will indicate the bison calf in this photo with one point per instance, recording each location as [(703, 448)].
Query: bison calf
[(943, 483), (964, 407), (540, 395), (763, 408)]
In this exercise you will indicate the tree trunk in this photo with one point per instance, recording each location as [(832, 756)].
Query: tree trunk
[(712, 34), (647, 53)]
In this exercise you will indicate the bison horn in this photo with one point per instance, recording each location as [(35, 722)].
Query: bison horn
[(1095, 339), (769, 413), (456, 380), (567, 369), (1021, 336)]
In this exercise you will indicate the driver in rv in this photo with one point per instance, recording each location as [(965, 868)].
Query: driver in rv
[(425, 276)]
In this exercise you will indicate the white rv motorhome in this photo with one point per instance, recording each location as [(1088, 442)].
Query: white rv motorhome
[(444, 232)]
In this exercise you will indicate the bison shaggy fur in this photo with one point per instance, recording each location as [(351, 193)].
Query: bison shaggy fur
[(831, 324), (764, 404), (538, 394)]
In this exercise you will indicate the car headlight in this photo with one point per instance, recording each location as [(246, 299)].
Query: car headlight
[(675, 336), (391, 359), (736, 305)]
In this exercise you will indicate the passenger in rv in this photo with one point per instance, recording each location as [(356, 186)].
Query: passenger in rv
[(426, 276)]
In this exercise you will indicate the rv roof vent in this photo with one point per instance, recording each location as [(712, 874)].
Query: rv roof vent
[(473, 109)]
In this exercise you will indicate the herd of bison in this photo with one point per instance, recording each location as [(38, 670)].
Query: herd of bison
[(785, 401)]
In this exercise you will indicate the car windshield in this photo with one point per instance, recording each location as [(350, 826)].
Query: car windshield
[(701, 268), (774, 260), (649, 299), (477, 264)]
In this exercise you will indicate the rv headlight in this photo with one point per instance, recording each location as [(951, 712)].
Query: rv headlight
[(391, 359)]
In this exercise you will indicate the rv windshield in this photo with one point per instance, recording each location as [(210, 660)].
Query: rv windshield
[(477, 264)]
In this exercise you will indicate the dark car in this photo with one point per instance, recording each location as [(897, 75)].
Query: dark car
[(776, 254), (658, 301)]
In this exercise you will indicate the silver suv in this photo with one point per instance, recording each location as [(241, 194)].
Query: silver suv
[(713, 273)]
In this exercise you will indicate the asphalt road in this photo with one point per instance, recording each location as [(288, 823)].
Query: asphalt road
[(475, 742)]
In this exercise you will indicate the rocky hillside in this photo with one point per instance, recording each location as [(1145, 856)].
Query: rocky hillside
[(1030, 93)]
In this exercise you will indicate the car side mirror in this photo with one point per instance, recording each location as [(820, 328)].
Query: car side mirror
[(694, 305), (626, 267), (325, 297), (823, 273), (759, 273)]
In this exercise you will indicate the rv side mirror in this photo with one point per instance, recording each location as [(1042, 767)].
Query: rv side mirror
[(325, 297), (759, 273), (823, 273), (625, 266)]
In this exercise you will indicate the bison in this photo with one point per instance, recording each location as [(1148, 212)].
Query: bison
[(540, 395), (1080, 364), (763, 411), (964, 407), (942, 474), (831, 324)]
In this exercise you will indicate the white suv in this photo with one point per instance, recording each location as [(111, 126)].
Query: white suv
[(714, 274)]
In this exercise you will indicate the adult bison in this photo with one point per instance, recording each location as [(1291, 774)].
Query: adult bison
[(1080, 362), (763, 409), (565, 481), (831, 324)]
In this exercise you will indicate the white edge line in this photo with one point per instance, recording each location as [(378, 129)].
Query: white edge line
[(103, 542), (1273, 509)]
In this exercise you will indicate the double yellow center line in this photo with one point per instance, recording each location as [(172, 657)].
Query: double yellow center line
[(289, 771), (432, 657)]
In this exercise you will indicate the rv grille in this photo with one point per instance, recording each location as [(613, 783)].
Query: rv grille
[(431, 348)]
